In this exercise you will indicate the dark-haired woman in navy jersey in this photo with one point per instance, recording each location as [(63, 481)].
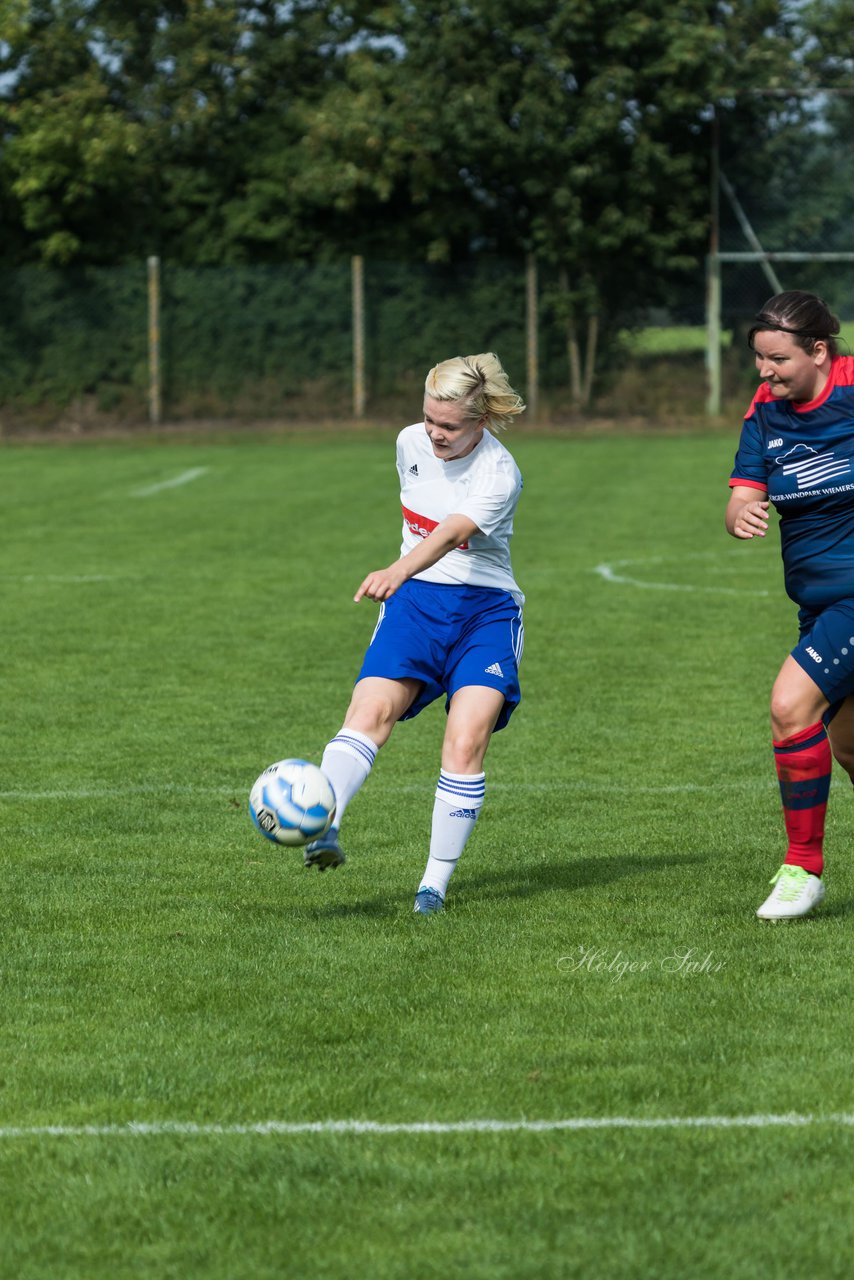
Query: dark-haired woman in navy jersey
[(797, 453)]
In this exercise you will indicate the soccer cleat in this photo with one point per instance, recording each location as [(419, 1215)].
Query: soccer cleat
[(795, 893), (428, 901), (324, 852)]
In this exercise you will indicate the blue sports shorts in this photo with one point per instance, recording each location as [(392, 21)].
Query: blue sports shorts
[(825, 650), (448, 637)]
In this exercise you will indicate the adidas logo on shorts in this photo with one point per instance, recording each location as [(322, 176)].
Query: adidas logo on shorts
[(494, 670), (413, 470)]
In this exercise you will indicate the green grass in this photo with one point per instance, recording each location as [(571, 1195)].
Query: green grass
[(162, 964), (670, 340)]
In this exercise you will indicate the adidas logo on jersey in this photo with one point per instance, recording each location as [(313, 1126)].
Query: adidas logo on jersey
[(413, 470), (494, 670)]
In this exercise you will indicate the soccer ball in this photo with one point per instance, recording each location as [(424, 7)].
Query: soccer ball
[(292, 802)]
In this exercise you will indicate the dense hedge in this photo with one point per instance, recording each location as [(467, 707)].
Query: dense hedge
[(254, 339), (64, 334), (277, 341)]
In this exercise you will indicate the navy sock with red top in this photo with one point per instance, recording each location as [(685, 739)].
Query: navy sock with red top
[(803, 767)]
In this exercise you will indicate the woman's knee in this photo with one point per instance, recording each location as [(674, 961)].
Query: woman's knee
[(844, 756), (840, 730), (843, 749), (795, 706), (464, 749), (371, 716), (472, 718), (786, 715), (377, 705)]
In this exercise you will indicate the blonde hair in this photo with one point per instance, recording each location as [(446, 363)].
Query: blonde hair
[(479, 381)]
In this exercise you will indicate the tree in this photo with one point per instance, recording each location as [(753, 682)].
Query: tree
[(578, 130), (129, 127), (69, 151), (575, 130), (794, 175)]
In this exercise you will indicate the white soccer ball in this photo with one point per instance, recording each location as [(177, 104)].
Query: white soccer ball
[(292, 802)]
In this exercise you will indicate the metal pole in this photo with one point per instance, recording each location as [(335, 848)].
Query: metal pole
[(787, 257), (749, 234), (532, 336), (154, 392), (358, 291), (713, 333), (713, 280)]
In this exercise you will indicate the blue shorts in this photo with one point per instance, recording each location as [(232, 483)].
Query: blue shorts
[(826, 649), (448, 637)]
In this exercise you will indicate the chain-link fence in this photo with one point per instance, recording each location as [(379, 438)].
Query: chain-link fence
[(784, 226), (279, 342), (243, 342), (260, 342)]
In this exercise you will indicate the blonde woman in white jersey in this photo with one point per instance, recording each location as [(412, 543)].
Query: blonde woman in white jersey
[(450, 618)]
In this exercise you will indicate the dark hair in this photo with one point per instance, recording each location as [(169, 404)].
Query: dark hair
[(804, 315)]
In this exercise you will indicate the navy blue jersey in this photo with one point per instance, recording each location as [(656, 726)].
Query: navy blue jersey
[(802, 456)]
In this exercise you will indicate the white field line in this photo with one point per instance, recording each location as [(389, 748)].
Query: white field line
[(609, 573), (186, 477), (281, 1128)]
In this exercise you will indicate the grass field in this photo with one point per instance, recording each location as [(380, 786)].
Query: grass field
[(215, 1064), (669, 340)]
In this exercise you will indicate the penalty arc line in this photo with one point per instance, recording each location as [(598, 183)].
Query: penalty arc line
[(608, 574), (175, 483), (280, 1128)]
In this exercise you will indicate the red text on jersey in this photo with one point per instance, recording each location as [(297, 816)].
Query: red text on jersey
[(423, 526)]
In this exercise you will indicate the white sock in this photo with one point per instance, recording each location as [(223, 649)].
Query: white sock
[(347, 761), (459, 797)]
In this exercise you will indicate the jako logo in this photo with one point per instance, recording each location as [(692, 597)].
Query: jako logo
[(776, 444), (816, 657)]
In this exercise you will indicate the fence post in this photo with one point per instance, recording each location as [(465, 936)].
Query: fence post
[(713, 333), (531, 323), (713, 275), (154, 392), (358, 290)]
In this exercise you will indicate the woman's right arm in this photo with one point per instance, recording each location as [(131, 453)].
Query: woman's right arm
[(747, 512)]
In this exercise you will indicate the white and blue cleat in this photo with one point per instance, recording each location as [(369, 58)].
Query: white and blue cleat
[(324, 852), (428, 901)]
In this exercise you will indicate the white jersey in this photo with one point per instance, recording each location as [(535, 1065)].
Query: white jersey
[(484, 486)]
